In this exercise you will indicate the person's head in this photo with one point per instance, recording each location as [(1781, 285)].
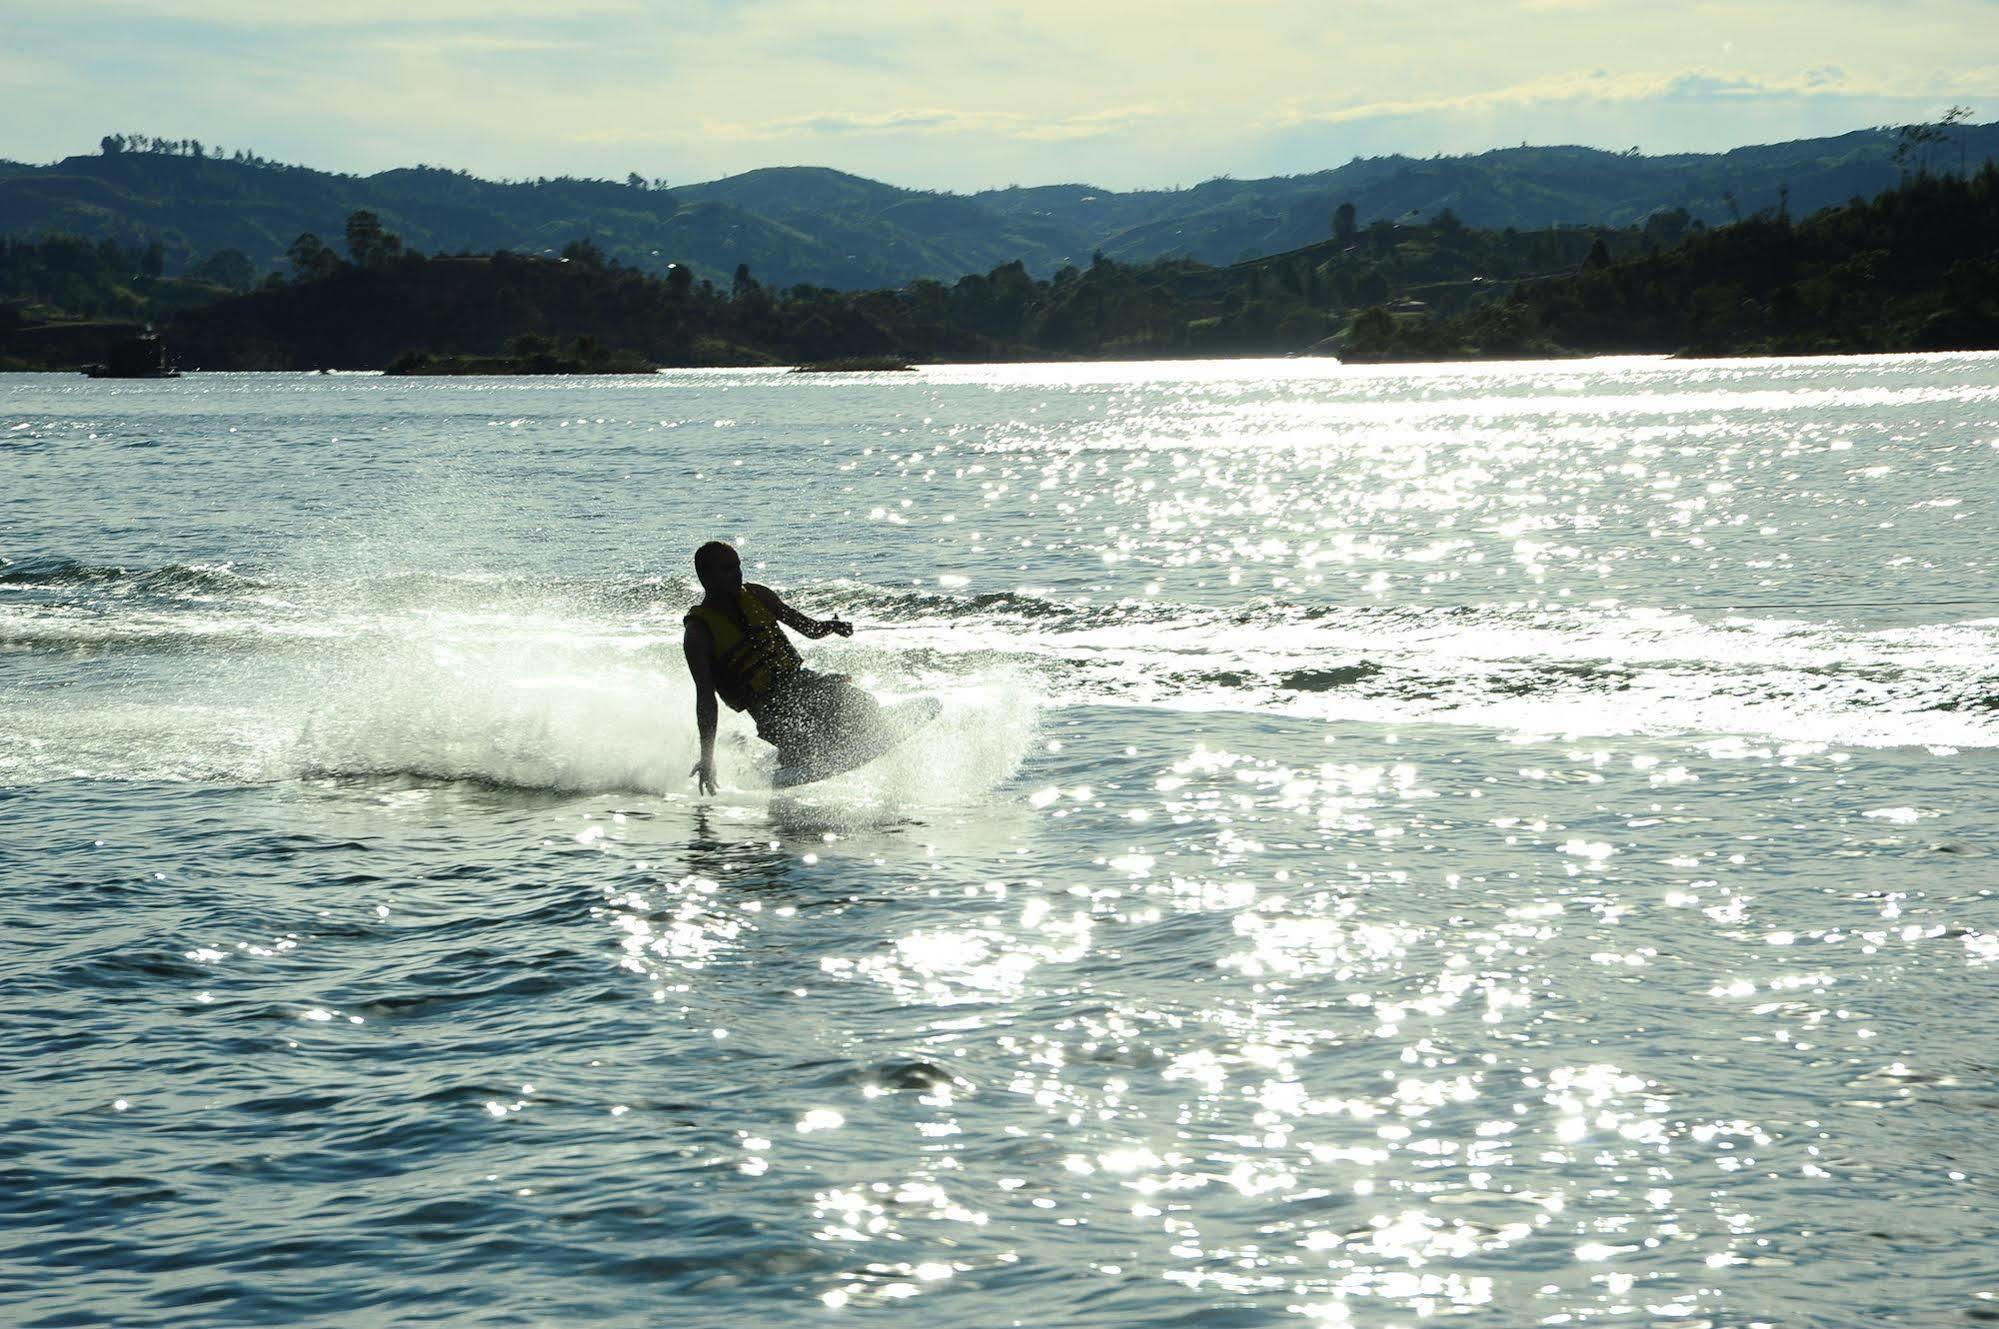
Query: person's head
[(718, 567)]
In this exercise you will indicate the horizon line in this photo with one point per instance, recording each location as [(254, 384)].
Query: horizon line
[(219, 154)]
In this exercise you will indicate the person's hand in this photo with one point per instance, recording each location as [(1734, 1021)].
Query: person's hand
[(706, 771), (839, 628)]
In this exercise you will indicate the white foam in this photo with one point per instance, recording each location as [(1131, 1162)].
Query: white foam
[(536, 714), (975, 744), (523, 696), (516, 686)]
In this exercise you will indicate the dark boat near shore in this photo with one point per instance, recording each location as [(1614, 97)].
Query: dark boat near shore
[(144, 356)]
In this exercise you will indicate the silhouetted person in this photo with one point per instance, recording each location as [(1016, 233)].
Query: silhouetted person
[(736, 650)]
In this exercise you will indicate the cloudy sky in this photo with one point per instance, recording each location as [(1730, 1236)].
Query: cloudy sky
[(1116, 93)]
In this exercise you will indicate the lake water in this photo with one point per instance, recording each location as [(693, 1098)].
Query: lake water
[(1513, 842)]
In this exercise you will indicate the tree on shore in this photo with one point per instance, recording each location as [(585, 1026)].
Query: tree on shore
[(369, 244), (226, 267), (311, 258), (584, 252), (1372, 330)]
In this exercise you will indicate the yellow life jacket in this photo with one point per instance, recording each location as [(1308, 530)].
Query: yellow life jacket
[(752, 665)]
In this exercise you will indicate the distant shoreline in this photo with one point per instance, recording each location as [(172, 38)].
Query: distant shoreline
[(1328, 361), (1915, 269)]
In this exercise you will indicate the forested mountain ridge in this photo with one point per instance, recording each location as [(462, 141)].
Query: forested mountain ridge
[(811, 225), (1916, 268), (1223, 221)]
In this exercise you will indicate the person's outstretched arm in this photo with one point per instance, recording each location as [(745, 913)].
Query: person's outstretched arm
[(699, 648), (797, 622)]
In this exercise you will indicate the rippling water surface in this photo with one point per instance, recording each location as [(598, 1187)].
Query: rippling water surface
[(1512, 843)]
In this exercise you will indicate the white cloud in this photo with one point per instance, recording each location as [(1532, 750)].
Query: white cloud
[(1600, 86), (477, 44), (926, 122), (348, 16)]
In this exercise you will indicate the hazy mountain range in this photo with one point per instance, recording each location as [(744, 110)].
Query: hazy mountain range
[(795, 225)]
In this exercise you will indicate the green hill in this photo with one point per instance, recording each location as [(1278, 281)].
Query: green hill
[(1222, 221), (811, 225), (842, 234)]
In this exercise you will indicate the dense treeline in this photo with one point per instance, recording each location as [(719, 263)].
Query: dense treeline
[(1915, 268), (382, 303), (1266, 304), (578, 312), (67, 276), (119, 145)]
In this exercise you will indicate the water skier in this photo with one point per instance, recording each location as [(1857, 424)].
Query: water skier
[(736, 651)]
